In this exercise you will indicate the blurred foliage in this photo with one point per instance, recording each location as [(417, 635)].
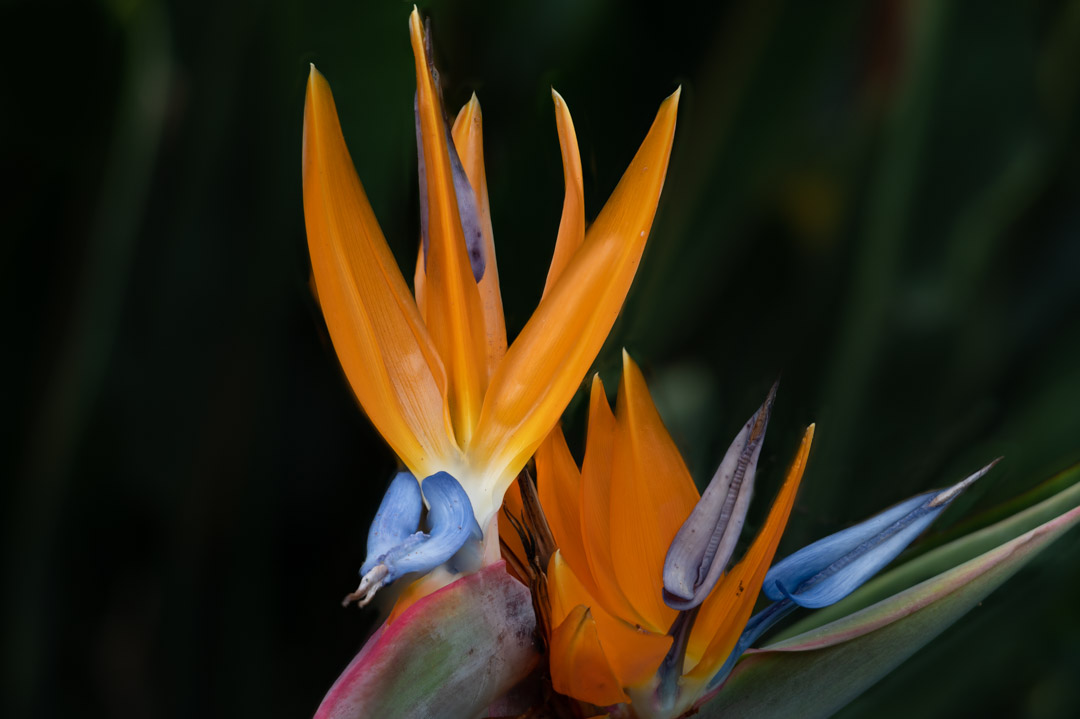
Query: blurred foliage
[(876, 200)]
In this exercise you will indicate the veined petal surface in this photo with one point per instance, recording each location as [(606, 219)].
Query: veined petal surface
[(705, 542), (380, 340), (546, 363)]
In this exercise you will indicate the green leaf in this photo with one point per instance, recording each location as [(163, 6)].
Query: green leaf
[(816, 673), (942, 558), (450, 654)]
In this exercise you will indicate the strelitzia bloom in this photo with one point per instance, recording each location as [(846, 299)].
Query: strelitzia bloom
[(462, 411), (645, 611), (614, 523)]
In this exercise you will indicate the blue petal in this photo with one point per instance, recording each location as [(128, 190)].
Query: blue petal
[(828, 570), (451, 522), (395, 552), (468, 205), (468, 211), (397, 518), (700, 551)]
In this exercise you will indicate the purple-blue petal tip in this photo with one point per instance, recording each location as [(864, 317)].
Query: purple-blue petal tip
[(828, 570)]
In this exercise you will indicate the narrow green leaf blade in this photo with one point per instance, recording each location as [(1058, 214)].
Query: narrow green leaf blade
[(816, 673)]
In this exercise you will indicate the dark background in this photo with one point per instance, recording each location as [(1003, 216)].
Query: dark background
[(877, 200)]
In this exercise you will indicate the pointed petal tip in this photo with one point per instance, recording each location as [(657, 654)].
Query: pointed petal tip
[(416, 25), (469, 112), (315, 78), (954, 491), (770, 398), (760, 419)]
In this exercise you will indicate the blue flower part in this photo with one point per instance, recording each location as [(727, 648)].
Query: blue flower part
[(828, 570), (468, 207), (700, 552), (397, 518), (395, 548), (450, 524)]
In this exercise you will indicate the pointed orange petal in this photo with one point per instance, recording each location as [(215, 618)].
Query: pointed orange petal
[(725, 612), (378, 335), (544, 366), (558, 484), (572, 225), (652, 494), (469, 139), (579, 667), (596, 508), (454, 314), (634, 654)]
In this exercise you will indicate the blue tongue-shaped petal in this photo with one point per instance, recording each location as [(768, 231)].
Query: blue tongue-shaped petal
[(828, 570), (397, 518), (701, 549), (395, 548)]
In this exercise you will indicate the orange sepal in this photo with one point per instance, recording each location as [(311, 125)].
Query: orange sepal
[(384, 348), (727, 609), (634, 654), (544, 367), (558, 484), (596, 506), (652, 494), (572, 224), (579, 666), (468, 136), (453, 310)]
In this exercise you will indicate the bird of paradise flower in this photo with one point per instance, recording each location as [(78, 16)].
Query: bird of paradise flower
[(434, 374), (638, 608), (643, 615)]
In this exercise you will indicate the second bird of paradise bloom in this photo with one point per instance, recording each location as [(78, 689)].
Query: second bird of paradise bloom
[(644, 616), (614, 639), (463, 411)]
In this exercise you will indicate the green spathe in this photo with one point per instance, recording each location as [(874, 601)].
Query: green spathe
[(450, 654)]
